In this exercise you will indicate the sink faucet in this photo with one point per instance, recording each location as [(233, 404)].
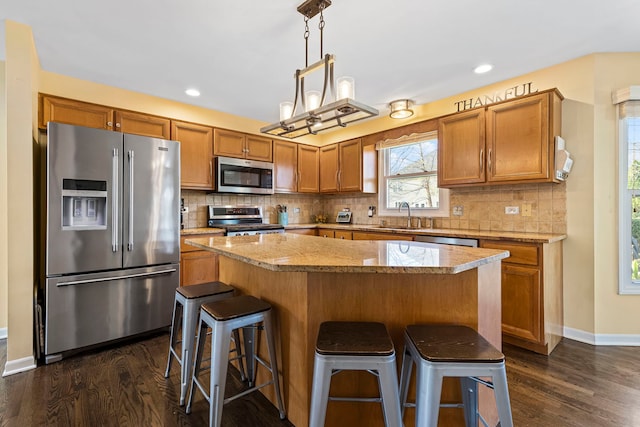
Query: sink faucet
[(408, 212)]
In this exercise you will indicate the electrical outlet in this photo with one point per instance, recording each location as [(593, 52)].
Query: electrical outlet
[(185, 210), (526, 209), (512, 210), (458, 210), (296, 210)]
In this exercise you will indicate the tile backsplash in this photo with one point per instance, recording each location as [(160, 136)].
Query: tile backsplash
[(542, 208)]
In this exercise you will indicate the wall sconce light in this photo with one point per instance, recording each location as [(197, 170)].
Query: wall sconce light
[(400, 109)]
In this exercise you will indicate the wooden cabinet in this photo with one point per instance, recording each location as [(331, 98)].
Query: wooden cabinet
[(196, 154), (372, 235), (508, 142), (196, 265), (295, 167), (531, 294), (308, 169), (348, 167), (240, 145), (69, 111)]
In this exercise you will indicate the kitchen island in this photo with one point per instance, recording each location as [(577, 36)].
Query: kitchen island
[(309, 280)]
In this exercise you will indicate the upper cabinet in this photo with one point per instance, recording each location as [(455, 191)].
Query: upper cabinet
[(196, 154), (69, 111), (348, 167), (240, 145), (295, 167), (509, 142)]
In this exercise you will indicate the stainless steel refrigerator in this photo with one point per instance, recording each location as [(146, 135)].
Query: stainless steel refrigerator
[(112, 238)]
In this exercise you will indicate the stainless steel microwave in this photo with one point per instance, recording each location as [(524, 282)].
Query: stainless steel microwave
[(243, 176)]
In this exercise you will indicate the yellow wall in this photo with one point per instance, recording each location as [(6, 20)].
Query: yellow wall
[(21, 71), (4, 241)]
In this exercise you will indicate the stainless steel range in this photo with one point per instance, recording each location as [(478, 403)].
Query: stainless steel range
[(240, 220)]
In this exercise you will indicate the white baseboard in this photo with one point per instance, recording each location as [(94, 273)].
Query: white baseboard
[(3, 333), (19, 365), (602, 339)]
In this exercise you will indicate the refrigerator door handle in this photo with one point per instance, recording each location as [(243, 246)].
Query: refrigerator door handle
[(130, 243), (107, 279), (114, 202)]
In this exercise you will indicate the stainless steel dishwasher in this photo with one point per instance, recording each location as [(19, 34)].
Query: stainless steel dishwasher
[(458, 241)]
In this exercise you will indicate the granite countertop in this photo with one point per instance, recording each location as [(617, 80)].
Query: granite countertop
[(293, 252), (448, 232)]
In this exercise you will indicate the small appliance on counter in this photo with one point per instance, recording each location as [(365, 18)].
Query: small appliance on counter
[(344, 217)]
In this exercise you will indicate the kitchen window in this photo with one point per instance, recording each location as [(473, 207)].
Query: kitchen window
[(629, 186), (408, 172)]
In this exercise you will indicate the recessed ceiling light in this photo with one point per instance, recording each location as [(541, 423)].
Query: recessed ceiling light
[(484, 68), (192, 92)]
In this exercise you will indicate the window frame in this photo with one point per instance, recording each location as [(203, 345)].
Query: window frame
[(443, 197), (626, 284)]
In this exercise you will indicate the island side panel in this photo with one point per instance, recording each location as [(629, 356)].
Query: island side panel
[(287, 293), (398, 300)]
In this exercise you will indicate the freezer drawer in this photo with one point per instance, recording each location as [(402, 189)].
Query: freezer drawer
[(88, 309)]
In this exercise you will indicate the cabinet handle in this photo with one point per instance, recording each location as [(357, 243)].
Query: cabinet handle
[(118, 125), (489, 164), (481, 159), (109, 124)]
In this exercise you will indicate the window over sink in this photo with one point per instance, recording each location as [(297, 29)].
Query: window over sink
[(408, 172)]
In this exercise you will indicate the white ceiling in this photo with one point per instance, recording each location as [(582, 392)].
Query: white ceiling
[(242, 54)]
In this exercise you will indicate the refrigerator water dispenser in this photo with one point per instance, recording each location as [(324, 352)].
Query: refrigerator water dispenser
[(84, 204)]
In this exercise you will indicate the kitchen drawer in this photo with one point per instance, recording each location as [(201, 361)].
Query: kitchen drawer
[(521, 253), (342, 234)]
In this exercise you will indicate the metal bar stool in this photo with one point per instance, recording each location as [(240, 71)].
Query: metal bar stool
[(452, 351), (186, 309), (224, 317), (362, 346)]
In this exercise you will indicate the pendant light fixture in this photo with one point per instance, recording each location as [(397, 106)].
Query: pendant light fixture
[(315, 111)]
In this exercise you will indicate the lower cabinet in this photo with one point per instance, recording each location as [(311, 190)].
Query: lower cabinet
[(532, 315), (197, 266)]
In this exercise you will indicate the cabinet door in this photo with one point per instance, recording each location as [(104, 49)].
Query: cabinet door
[(303, 231), (61, 110), (285, 163), (522, 303), (518, 140), (308, 175), (228, 143), (198, 267), (329, 168), (196, 154), (143, 124), (258, 148), (350, 161), (461, 149)]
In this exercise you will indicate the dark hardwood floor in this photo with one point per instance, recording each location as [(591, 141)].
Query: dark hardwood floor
[(578, 385)]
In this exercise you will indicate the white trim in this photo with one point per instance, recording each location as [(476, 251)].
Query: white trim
[(602, 339), (19, 365), (3, 333)]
